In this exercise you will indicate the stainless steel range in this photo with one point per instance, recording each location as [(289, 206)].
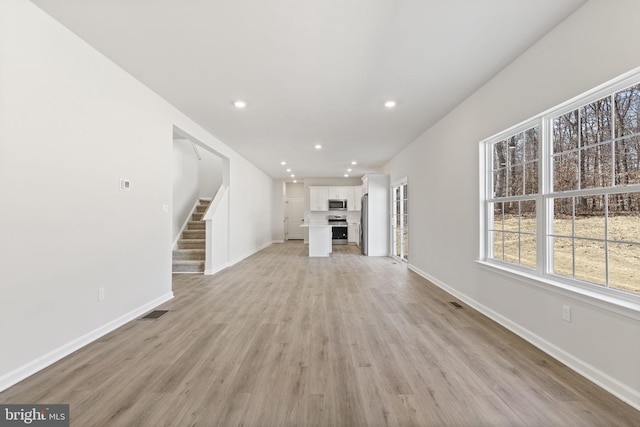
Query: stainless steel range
[(339, 229)]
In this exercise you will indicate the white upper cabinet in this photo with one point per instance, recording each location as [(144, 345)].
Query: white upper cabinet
[(357, 199), (339, 192), (319, 198), (351, 201), (351, 194)]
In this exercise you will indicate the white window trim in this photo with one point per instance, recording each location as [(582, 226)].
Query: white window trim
[(610, 299)]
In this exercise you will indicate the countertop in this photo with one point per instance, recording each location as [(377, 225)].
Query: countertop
[(324, 224)]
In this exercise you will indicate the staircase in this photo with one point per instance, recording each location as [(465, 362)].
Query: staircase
[(190, 255)]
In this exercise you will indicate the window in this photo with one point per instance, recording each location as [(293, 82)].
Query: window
[(514, 184), (562, 192)]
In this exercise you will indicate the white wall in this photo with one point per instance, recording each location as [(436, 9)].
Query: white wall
[(295, 190), (209, 173), (334, 182), (251, 196), (217, 232), (72, 124), (185, 189), (277, 224), (597, 43), (378, 220)]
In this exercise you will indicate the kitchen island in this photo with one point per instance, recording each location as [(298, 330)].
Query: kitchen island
[(319, 239)]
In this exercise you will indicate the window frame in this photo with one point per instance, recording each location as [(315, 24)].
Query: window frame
[(543, 275), (487, 189)]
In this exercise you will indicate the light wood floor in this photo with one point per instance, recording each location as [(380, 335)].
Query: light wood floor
[(280, 339)]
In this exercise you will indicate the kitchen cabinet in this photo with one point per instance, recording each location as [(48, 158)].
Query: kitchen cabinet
[(354, 203), (351, 194), (319, 240), (318, 198), (354, 233), (339, 193), (351, 201)]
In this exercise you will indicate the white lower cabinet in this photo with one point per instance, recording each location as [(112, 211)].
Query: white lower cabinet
[(319, 240), (354, 233)]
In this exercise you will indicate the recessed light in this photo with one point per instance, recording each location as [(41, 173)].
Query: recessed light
[(317, 146), (295, 181), (240, 104), (288, 170), (283, 163), (346, 175), (349, 170), (292, 176), (354, 163), (390, 104)]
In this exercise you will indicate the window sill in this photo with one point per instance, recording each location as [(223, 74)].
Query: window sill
[(628, 306)]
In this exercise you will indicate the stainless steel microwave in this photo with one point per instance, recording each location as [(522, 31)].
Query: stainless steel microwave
[(337, 204)]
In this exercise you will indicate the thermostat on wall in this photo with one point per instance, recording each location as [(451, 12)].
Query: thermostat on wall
[(125, 184)]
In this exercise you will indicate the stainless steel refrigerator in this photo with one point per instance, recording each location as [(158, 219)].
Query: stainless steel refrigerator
[(364, 224)]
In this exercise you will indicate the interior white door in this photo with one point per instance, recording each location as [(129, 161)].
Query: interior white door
[(295, 215)]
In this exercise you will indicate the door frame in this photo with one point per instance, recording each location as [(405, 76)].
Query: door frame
[(286, 216), (392, 227)]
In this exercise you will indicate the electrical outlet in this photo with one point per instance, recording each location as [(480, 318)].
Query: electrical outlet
[(100, 294), (566, 313)]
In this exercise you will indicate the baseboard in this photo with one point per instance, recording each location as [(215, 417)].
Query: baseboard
[(215, 270), (248, 254), (612, 385), (50, 358)]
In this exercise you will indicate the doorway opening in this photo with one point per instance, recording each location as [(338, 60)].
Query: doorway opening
[(294, 211), (200, 207)]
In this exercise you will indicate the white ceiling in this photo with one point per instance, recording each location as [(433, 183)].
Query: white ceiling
[(312, 71)]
